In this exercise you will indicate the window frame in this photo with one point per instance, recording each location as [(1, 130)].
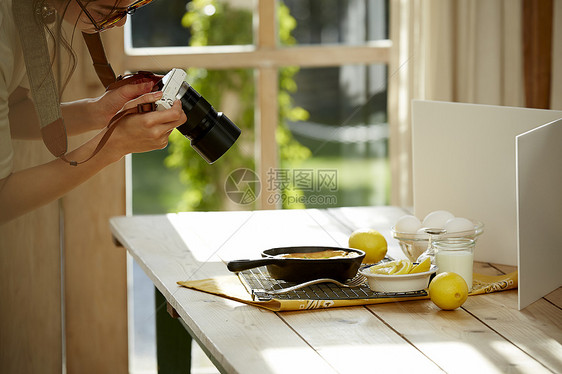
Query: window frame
[(266, 57)]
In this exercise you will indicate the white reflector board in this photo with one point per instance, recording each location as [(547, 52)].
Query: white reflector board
[(539, 214), (465, 161)]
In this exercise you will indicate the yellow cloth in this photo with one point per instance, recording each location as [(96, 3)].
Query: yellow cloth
[(229, 286)]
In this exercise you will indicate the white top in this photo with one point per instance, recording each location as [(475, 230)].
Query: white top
[(12, 74)]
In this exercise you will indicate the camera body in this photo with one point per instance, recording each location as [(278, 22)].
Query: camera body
[(172, 83), (211, 133)]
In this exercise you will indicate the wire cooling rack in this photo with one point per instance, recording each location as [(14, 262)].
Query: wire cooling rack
[(258, 282)]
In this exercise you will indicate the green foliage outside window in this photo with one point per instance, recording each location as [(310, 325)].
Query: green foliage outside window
[(232, 26)]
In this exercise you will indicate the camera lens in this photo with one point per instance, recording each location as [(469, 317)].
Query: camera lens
[(211, 133)]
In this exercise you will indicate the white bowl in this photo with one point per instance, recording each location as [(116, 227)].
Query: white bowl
[(414, 245), (398, 283)]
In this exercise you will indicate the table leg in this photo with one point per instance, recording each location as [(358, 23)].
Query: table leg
[(173, 342)]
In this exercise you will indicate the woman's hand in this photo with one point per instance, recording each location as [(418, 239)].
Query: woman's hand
[(94, 114), (142, 132), (112, 101)]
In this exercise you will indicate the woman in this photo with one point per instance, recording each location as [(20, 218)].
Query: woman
[(25, 190)]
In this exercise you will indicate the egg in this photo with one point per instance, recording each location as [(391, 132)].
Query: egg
[(421, 245), (458, 224), (409, 224), (437, 219)]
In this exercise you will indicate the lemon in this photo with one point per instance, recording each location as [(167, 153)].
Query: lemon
[(399, 267), (404, 267), (422, 266), (448, 291), (384, 268), (371, 242)]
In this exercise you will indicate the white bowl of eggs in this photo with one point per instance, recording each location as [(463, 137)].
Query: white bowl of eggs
[(413, 237)]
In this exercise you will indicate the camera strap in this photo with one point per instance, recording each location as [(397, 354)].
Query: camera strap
[(140, 108), (30, 17), (103, 68), (97, 53), (42, 83)]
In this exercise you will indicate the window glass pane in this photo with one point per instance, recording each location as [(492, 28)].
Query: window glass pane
[(159, 25), (347, 134), (339, 21), (192, 23)]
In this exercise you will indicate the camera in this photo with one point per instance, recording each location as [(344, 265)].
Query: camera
[(211, 133)]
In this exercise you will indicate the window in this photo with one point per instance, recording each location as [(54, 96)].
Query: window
[(340, 46)]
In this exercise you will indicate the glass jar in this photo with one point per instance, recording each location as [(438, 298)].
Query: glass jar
[(455, 255), (432, 235)]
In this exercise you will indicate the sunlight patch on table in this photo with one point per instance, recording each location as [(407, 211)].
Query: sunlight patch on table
[(294, 360), (446, 354), (386, 358)]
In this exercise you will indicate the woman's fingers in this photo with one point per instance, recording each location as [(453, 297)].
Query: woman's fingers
[(150, 97), (112, 101), (168, 118), (157, 124), (131, 91), (135, 89)]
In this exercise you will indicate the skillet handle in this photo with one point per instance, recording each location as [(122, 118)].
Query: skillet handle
[(239, 265)]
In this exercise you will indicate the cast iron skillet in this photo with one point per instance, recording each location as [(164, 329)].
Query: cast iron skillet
[(303, 269)]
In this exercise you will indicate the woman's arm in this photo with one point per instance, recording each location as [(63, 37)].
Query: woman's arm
[(29, 189), (79, 116)]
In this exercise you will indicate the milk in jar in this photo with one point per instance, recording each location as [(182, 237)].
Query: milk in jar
[(455, 255)]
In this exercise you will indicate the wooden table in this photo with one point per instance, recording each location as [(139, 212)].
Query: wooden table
[(487, 335)]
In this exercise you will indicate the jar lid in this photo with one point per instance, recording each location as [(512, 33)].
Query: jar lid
[(453, 243)]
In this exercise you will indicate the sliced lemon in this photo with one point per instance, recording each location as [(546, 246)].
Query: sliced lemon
[(384, 265), (384, 268), (403, 267), (422, 266)]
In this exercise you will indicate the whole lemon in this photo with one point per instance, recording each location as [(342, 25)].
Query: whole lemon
[(371, 242), (448, 291)]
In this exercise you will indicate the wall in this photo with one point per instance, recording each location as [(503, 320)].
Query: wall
[(30, 293)]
